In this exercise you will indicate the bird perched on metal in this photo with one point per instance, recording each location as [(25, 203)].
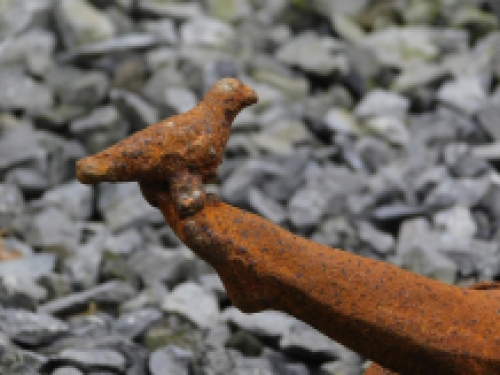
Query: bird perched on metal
[(185, 149)]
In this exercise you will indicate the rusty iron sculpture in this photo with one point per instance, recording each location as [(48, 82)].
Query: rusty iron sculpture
[(405, 322)]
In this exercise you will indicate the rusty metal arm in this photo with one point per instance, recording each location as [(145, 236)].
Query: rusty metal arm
[(405, 322)]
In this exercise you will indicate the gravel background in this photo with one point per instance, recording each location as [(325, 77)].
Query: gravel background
[(377, 131)]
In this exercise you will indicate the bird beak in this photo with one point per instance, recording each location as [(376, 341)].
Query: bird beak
[(250, 97)]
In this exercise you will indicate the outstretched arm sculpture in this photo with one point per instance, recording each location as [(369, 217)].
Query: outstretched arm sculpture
[(405, 322)]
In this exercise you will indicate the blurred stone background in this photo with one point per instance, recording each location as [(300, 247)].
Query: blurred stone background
[(377, 131)]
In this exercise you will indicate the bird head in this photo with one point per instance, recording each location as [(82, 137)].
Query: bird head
[(230, 95)]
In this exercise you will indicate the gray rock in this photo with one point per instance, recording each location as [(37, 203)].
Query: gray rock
[(483, 259), (317, 106), (213, 283), (457, 221), (102, 128), (490, 151), (325, 189), (28, 180), (82, 266), (455, 152), (66, 370), (72, 198), (294, 87), (31, 328), (88, 326), (245, 343), (290, 131), (14, 244), (403, 46), (465, 94), (134, 323), (232, 362), (53, 229), (410, 232), (235, 188), (17, 361), (340, 120), (375, 153), (119, 44), (218, 69), (208, 32), (338, 6), (175, 10), (161, 265), (281, 187), (57, 285), (419, 249), (171, 360), (281, 364), (248, 366), (11, 205), (123, 243), (16, 17), (24, 48), (270, 324), (488, 115), (382, 103), (28, 267), (163, 29), (19, 292), (78, 88), (398, 211), (111, 293), (421, 75), (162, 57), (176, 330), (20, 92), (341, 368), (301, 340), (193, 302), (91, 359), (219, 361), (179, 100), (463, 191), (60, 157), (123, 206), (314, 54), (162, 78), (81, 23), (307, 206), (390, 128), (59, 116), (217, 336), (138, 111), (229, 11), (378, 240), (150, 296), (266, 206), (430, 263)]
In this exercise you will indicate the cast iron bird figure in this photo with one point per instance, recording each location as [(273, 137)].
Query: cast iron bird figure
[(184, 150)]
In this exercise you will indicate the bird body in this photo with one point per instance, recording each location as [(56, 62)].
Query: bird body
[(194, 140), (183, 151)]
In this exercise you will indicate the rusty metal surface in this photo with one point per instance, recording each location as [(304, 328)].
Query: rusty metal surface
[(192, 141), (405, 322)]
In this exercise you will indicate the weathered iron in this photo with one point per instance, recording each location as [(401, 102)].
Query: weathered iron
[(405, 322), (188, 147)]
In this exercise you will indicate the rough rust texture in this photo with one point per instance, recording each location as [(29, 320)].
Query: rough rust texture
[(190, 143), (407, 323)]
